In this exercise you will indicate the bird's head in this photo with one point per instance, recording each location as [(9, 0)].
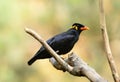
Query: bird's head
[(79, 27)]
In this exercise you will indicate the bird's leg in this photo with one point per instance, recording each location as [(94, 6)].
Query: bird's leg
[(57, 51), (56, 64)]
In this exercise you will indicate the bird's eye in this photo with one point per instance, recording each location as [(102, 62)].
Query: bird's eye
[(75, 27)]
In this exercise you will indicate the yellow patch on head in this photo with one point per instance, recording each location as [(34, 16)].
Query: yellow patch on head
[(75, 27)]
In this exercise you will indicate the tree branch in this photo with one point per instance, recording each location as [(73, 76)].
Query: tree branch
[(73, 64), (106, 43), (80, 68)]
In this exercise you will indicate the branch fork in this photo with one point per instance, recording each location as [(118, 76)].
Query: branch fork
[(73, 64)]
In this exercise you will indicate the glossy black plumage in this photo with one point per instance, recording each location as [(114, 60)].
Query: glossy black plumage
[(62, 43)]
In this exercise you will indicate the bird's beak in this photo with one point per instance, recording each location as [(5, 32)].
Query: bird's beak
[(84, 28)]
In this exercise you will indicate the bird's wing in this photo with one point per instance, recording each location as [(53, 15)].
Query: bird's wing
[(60, 39), (56, 42)]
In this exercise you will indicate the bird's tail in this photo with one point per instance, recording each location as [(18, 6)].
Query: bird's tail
[(32, 60)]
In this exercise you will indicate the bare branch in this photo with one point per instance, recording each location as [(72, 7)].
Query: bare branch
[(74, 65), (80, 68), (106, 42)]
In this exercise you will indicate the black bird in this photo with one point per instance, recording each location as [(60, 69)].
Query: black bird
[(61, 43)]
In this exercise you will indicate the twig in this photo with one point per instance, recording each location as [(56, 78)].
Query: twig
[(74, 65), (106, 42)]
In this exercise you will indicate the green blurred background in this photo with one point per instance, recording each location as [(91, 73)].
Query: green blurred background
[(50, 17)]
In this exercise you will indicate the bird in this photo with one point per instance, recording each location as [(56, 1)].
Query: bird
[(61, 43)]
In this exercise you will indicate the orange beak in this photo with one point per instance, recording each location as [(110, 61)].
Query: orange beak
[(84, 28)]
